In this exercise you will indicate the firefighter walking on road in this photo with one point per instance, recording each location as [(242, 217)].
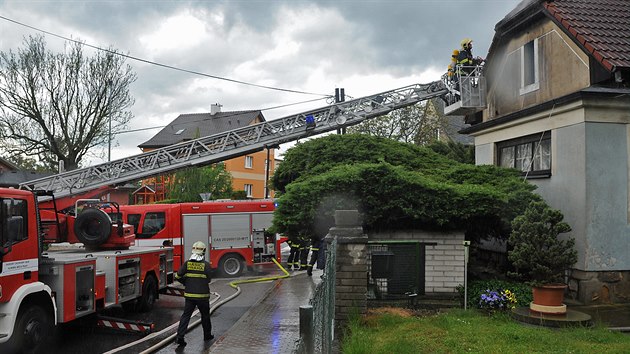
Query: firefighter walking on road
[(294, 254), (315, 246), (195, 275), (304, 244)]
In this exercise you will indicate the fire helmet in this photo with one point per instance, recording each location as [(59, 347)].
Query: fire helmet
[(199, 248), (465, 42)]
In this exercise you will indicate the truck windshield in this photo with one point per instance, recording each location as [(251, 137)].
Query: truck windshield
[(153, 223), (14, 220)]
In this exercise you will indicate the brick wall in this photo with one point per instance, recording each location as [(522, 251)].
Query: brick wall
[(444, 264)]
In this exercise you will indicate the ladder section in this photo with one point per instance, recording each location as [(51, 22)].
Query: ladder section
[(234, 143)]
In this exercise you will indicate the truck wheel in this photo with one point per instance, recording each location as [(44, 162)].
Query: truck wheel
[(32, 329), (231, 265), (149, 294), (93, 227)]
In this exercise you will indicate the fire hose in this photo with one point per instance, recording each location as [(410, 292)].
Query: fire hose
[(195, 323)]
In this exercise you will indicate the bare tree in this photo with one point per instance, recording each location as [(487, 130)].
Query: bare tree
[(58, 106), (418, 124)]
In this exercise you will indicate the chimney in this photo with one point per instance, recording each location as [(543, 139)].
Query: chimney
[(215, 108)]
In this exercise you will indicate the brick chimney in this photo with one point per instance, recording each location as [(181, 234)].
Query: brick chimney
[(215, 108)]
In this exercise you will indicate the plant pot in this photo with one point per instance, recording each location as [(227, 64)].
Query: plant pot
[(548, 299)]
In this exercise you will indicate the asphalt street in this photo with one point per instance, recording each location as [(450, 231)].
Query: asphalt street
[(84, 337)]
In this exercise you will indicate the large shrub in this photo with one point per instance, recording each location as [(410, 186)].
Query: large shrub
[(395, 186)]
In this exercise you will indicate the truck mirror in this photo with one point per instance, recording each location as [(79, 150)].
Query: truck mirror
[(6, 248)]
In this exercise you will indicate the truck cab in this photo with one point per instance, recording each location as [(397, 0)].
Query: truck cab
[(19, 273)]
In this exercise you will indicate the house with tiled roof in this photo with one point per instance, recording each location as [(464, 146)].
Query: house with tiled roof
[(558, 109), (250, 173)]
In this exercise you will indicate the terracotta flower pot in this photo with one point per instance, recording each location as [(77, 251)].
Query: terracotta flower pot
[(549, 295), (548, 299)]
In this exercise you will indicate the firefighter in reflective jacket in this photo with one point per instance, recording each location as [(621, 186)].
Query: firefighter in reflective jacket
[(315, 245), (465, 58), (194, 274), (294, 254)]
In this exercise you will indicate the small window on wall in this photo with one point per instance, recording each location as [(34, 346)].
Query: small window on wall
[(248, 190), (249, 161), (529, 67), (530, 154)]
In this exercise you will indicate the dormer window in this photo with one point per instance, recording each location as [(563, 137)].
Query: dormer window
[(529, 67)]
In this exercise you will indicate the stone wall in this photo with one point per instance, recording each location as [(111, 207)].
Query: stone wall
[(444, 264), (592, 288)]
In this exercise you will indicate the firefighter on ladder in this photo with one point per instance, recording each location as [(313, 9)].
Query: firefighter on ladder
[(465, 58), (195, 275)]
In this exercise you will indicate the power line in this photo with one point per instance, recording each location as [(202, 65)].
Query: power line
[(224, 116), (160, 64)]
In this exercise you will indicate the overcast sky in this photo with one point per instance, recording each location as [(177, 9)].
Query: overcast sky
[(364, 46)]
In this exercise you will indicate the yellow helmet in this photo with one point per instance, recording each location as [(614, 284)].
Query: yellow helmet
[(465, 42), (199, 248), (455, 52)]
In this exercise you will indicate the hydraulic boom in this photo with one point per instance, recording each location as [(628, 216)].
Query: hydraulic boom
[(237, 142)]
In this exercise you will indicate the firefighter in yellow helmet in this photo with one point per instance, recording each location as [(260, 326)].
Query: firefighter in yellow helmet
[(195, 275), (465, 57), (451, 67)]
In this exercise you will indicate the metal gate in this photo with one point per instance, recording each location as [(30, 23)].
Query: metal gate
[(396, 269)]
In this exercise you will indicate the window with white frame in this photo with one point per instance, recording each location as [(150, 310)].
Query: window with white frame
[(248, 190), (249, 161), (529, 67), (530, 154)]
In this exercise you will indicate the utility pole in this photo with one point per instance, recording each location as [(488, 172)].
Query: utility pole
[(109, 137), (340, 96)]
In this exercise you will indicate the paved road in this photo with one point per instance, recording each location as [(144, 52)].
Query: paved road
[(83, 337)]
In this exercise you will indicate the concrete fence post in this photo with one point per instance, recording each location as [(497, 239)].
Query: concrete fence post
[(351, 266), (306, 327)]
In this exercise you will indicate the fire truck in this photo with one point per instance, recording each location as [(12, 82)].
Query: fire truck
[(236, 231), (40, 288), (46, 280)]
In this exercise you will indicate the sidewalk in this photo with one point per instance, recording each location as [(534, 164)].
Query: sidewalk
[(273, 325)]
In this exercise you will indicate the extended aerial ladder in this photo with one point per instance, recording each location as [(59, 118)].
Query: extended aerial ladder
[(234, 143)]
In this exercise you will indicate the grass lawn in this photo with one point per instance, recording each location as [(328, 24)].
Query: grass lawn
[(398, 331)]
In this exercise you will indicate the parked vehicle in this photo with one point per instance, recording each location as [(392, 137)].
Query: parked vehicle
[(41, 287), (236, 231)]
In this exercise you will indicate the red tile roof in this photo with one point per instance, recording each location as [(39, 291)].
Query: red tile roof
[(601, 26)]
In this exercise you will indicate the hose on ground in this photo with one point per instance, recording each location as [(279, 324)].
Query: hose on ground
[(234, 285)]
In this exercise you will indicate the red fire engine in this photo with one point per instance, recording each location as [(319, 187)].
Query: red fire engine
[(236, 231), (41, 287)]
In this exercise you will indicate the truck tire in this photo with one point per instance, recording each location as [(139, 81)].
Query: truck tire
[(231, 265), (93, 227), (149, 294), (32, 330)]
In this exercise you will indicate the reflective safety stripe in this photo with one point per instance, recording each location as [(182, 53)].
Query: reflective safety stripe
[(314, 249), (196, 296), (195, 275)]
